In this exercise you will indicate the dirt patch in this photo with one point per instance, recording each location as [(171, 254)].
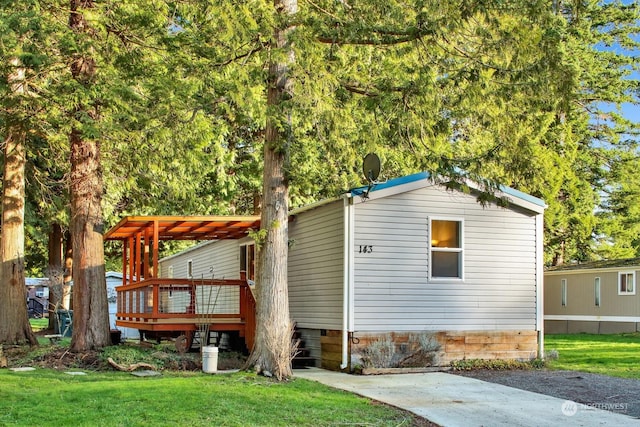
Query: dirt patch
[(61, 358), (620, 395), (52, 358)]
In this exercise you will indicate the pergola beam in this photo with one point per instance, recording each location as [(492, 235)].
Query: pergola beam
[(141, 236)]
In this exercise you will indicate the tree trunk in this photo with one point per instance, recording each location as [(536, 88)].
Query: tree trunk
[(14, 318), (272, 352), (90, 305), (55, 272)]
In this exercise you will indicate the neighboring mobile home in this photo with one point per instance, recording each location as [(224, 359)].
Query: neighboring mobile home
[(407, 264), (114, 279), (597, 297)]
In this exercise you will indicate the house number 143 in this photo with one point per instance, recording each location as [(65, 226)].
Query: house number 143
[(365, 249)]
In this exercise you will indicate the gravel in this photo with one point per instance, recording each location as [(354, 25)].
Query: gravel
[(619, 395)]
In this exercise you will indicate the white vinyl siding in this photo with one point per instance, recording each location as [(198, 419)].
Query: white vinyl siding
[(316, 272), (209, 260), (393, 291)]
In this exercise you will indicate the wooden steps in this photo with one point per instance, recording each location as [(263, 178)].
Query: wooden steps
[(302, 358)]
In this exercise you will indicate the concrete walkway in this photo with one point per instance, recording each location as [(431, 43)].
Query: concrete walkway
[(451, 400)]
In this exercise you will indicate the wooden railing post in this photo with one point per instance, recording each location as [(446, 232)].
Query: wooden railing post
[(248, 314), (156, 299), (243, 304)]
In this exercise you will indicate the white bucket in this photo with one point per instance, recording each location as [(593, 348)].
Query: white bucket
[(209, 359)]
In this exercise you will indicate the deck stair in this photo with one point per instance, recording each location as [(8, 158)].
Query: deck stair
[(302, 358), (217, 339)]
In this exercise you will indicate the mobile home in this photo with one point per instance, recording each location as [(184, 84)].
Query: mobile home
[(597, 297), (405, 262)]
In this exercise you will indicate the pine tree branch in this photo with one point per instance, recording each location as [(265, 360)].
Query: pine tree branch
[(464, 54), (387, 37), (256, 49), (326, 12), (365, 42), (354, 89)]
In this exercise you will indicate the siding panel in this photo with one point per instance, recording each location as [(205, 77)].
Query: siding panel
[(316, 267), (218, 260), (392, 290), (581, 295)]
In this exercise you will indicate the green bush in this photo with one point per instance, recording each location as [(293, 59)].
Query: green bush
[(496, 364)]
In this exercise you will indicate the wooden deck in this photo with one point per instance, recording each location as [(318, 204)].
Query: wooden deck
[(163, 306), (183, 306)]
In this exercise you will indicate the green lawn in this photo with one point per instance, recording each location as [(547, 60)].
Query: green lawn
[(46, 397), (617, 355), (176, 398), (39, 324)]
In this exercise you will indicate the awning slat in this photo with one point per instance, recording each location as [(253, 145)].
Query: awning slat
[(185, 227)]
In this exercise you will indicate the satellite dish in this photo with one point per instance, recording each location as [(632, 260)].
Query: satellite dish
[(371, 167)]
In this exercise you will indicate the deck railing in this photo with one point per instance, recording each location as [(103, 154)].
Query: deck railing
[(183, 304)]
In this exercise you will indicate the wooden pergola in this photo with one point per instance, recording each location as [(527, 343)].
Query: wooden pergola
[(141, 236), (144, 299)]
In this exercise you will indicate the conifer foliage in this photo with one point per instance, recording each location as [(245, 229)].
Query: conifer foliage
[(196, 107)]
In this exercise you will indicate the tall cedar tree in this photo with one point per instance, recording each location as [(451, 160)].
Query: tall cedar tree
[(273, 349), (22, 36), (14, 320), (90, 306)]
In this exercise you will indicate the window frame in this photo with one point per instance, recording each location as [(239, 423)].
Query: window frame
[(597, 291), (190, 269), (248, 259), (633, 276), (563, 292), (460, 250)]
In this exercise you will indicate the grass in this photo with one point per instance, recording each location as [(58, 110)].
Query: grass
[(616, 355), (118, 399), (39, 324), (104, 397)]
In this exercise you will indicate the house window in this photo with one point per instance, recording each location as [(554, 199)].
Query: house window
[(247, 260), (626, 283), (596, 290), (563, 292), (446, 249), (190, 269)]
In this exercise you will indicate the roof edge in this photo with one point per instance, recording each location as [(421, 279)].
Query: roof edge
[(518, 197)]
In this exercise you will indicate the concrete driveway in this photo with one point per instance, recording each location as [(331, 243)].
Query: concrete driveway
[(451, 400)]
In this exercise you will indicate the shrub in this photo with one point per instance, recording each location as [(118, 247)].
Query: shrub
[(496, 364), (379, 354), (552, 354)]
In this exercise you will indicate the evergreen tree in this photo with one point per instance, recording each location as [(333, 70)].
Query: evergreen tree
[(24, 36), (90, 307), (598, 44)]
